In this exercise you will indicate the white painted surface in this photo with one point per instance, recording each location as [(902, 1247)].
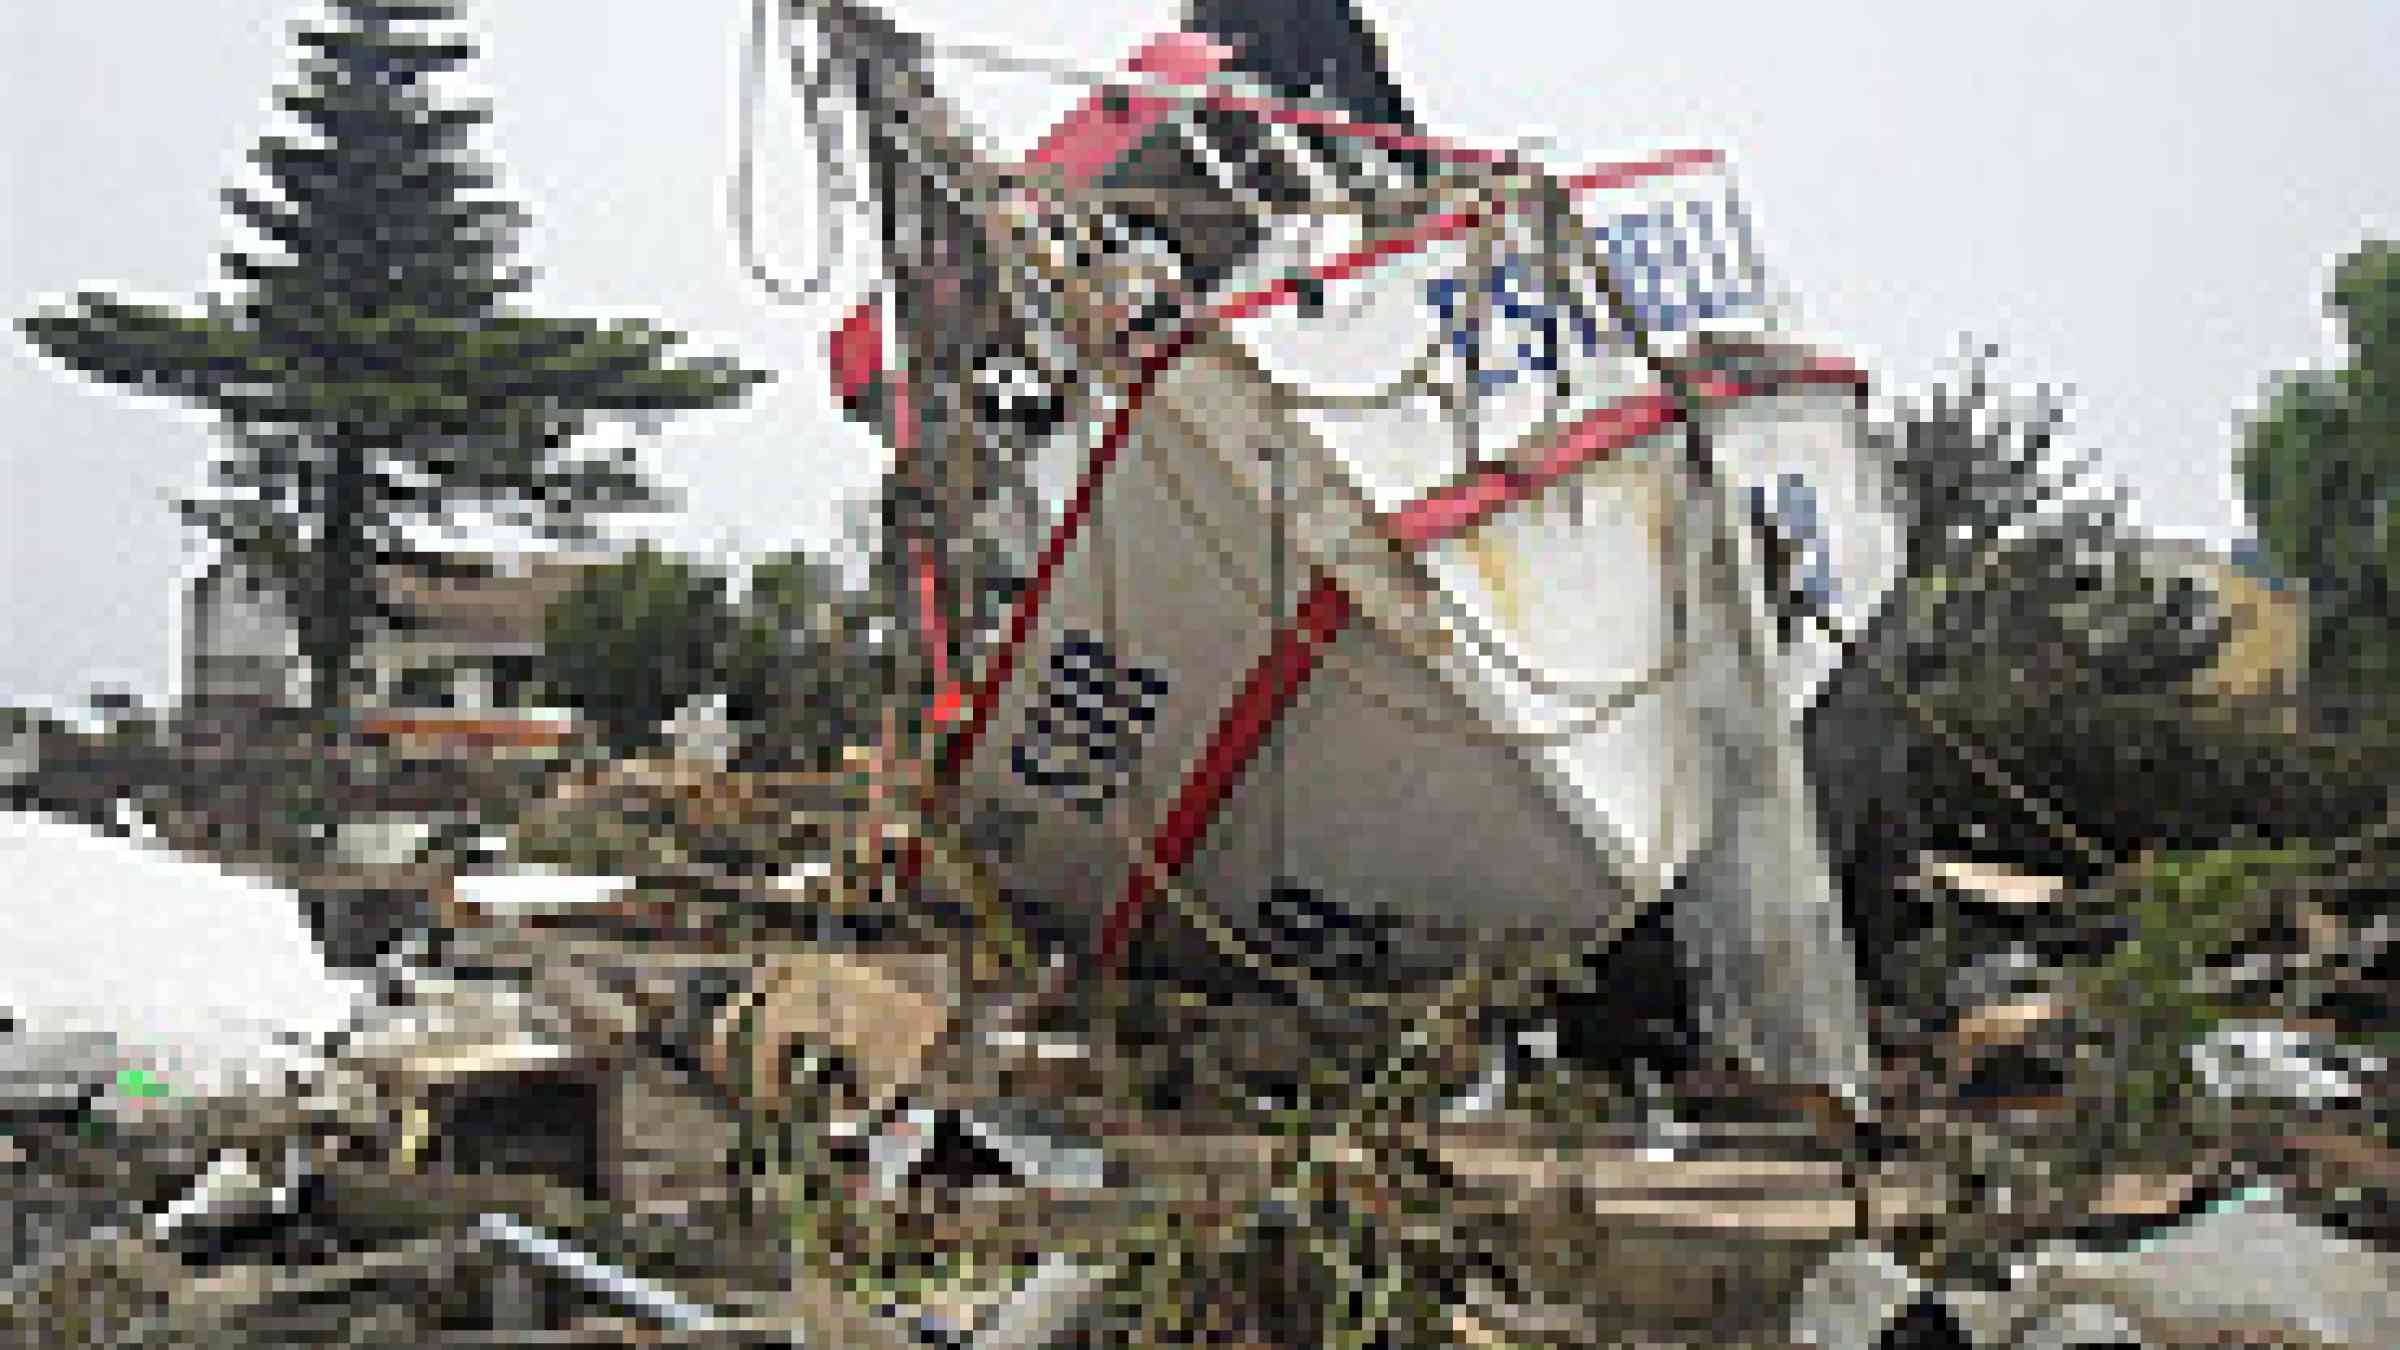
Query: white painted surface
[(1817, 438), (192, 970), (539, 890)]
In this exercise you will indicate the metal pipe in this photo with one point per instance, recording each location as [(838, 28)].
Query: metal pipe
[(591, 1273)]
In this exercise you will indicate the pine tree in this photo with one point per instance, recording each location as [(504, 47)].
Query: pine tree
[(370, 363)]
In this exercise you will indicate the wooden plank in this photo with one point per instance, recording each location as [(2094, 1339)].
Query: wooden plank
[(1626, 1172), (1778, 1218)]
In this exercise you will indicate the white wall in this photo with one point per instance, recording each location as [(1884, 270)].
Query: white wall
[(238, 643)]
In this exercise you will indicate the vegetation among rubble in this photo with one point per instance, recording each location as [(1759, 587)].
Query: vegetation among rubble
[(882, 1250), (2032, 625), (1377, 1257), (655, 818), (2181, 915), (2038, 667), (591, 843)]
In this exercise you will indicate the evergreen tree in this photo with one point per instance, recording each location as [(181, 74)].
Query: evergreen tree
[(369, 363)]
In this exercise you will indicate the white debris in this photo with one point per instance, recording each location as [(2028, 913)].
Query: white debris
[(529, 891), (1852, 1298), (2271, 1062), (195, 972)]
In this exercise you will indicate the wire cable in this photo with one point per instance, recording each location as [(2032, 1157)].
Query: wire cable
[(834, 199)]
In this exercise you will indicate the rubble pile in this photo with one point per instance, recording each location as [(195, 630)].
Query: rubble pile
[(721, 1102)]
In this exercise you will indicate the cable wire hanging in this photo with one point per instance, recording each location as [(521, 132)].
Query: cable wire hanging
[(818, 85), (836, 200)]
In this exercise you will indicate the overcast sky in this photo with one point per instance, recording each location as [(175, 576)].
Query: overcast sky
[(2139, 198)]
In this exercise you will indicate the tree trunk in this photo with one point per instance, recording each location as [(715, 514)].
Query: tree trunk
[(331, 618)]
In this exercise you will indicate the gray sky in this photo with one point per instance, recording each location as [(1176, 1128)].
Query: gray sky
[(2138, 198)]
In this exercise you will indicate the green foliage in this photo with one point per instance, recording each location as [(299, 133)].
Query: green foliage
[(802, 670), (367, 363), (1972, 458), (25, 721), (634, 641), (2012, 566), (2181, 912), (2238, 781), (594, 843), (2035, 622), (2320, 468)]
